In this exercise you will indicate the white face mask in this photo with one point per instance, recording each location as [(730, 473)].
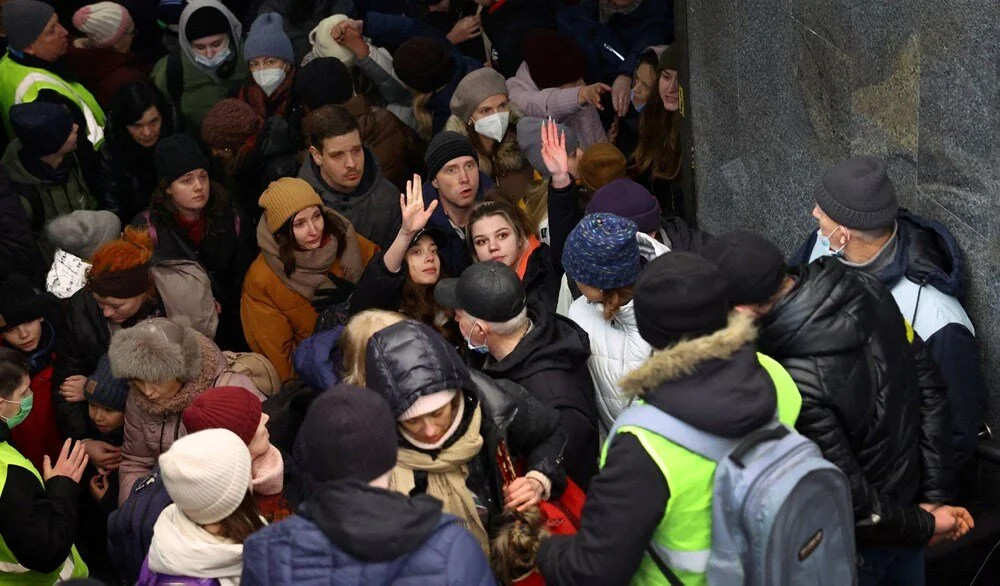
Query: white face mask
[(493, 126), (214, 61), (269, 79)]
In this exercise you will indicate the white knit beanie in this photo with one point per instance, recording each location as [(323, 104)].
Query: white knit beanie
[(428, 403), (323, 43), (207, 474), (104, 23)]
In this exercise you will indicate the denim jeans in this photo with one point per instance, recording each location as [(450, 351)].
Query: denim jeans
[(890, 566)]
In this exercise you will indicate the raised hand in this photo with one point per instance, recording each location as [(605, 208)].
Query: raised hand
[(554, 153), (411, 206), (70, 464), (591, 94), (354, 42)]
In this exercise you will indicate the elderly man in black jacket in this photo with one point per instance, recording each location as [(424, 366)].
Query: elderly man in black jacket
[(872, 398)]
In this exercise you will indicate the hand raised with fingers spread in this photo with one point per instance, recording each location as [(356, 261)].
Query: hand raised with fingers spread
[(554, 153), (70, 463), (411, 206)]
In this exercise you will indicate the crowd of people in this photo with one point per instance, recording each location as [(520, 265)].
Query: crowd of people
[(372, 292)]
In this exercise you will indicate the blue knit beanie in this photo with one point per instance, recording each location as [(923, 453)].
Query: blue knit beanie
[(102, 388), (602, 252), (267, 39)]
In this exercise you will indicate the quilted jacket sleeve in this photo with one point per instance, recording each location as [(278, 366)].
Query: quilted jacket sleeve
[(878, 518), (937, 462)]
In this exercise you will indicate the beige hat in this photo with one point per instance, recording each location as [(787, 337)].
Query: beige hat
[(474, 89), (286, 197), (324, 45), (104, 23), (207, 474)]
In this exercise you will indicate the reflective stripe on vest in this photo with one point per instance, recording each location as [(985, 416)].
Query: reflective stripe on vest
[(683, 537)]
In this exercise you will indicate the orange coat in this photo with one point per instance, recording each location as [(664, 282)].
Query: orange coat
[(276, 318)]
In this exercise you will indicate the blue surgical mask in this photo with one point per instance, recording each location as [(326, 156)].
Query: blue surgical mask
[(480, 349), (25, 403), (638, 107), (824, 242), (215, 60)]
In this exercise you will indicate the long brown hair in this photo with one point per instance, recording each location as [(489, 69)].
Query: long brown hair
[(423, 116), (614, 299), (332, 228), (659, 150), (242, 522)]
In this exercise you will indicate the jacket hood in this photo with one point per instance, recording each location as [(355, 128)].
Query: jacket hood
[(823, 314), (714, 383), (554, 343), (369, 179), (372, 524), (235, 33), (15, 169), (926, 253), (314, 359)]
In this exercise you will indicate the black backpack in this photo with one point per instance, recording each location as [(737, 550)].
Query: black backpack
[(130, 528)]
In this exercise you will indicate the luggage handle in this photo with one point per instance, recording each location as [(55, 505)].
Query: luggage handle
[(755, 438)]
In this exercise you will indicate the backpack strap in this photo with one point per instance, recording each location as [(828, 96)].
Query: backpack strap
[(707, 445), (175, 76)]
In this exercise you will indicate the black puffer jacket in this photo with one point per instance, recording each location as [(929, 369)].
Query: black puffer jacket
[(409, 359), (871, 400)]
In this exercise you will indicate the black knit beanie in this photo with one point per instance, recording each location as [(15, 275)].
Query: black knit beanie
[(205, 22), (42, 127), (857, 193), (323, 81), (348, 433), (752, 265), (177, 155), (423, 64), (21, 303), (444, 147)]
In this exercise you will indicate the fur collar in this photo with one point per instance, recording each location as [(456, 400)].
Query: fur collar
[(683, 358), (213, 363), (507, 158)]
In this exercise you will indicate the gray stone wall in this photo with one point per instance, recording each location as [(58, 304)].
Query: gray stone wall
[(781, 89)]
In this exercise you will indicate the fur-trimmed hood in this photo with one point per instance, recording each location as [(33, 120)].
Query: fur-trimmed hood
[(714, 382), (157, 350), (507, 158)]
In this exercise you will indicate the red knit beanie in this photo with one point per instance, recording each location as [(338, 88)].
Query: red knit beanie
[(228, 124), (232, 408), (552, 59)]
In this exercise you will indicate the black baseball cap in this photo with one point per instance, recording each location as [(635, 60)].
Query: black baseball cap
[(488, 290), (436, 234)]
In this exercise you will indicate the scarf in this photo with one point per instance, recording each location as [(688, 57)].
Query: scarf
[(312, 267), (446, 475), (181, 547), (264, 105), (268, 473)]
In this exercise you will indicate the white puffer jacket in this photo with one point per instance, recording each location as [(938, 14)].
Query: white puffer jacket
[(616, 348)]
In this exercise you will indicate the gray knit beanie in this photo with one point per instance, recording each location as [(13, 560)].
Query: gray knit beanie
[(473, 89), (267, 38), (82, 232), (24, 20), (857, 193), (529, 139)]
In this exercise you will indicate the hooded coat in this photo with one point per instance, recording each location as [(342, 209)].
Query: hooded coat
[(373, 207), (562, 104), (550, 363), (713, 383), (871, 400), (350, 533), (927, 277), (409, 360), (202, 87)]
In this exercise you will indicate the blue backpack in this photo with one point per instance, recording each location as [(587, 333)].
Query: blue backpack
[(130, 528), (781, 513)]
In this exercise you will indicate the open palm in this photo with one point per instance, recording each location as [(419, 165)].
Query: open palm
[(411, 206), (554, 149)]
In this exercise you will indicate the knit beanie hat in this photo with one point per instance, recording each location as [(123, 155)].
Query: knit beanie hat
[(323, 44), (42, 127), (552, 59), (602, 252), (104, 23), (157, 350), (475, 87), (321, 82), (120, 268), (176, 155), (601, 164), (206, 21), (82, 232), (444, 147), (529, 139), (232, 408), (20, 302), (423, 64), (679, 295), (207, 474), (753, 266), (286, 197), (228, 124), (104, 388), (267, 39), (628, 199), (428, 404), (857, 193), (24, 21), (348, 433)]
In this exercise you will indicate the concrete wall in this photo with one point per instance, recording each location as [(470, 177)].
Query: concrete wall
[(781, 89)]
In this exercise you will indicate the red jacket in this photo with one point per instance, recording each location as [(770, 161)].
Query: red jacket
[(37, 436)]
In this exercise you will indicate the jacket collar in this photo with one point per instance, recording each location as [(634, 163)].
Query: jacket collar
[(926, 253)]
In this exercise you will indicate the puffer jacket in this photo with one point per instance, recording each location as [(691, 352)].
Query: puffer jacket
[(616, 349), (927, 277), (409, 359), (871, 400), (351, 533), (151, 428)]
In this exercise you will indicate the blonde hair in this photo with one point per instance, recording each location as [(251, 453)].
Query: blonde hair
[(514, 550), (354, 340), (423, 116), (536, 203)]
